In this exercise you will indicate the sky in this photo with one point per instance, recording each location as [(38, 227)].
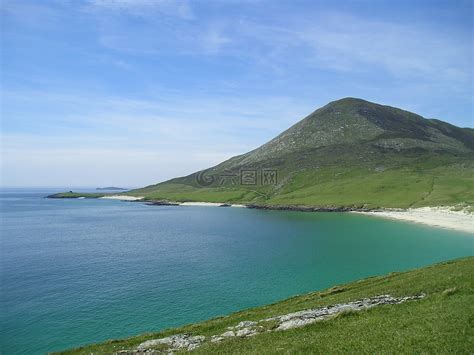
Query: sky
[(134, 92)]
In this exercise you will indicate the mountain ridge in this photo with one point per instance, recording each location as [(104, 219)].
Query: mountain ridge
[(345, 141)]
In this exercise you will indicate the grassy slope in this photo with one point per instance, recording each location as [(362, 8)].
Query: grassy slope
[(440, 323), (401, 187), (348, 153)]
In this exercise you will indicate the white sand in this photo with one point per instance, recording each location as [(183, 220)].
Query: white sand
[(201, 204), (122, 198), (442, 217), (209, 204)]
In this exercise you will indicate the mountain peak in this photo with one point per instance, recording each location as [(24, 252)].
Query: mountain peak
[(348, 100), (356, 123), (351, 151)]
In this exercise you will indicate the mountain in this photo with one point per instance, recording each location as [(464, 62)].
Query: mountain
[(350, 152)]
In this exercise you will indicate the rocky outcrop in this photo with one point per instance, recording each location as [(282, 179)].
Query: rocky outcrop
[(313, 208), (302, 318), (245, 329), (162, 203), (169, 344)]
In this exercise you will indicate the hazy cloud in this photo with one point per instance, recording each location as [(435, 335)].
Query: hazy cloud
[(178, 8)]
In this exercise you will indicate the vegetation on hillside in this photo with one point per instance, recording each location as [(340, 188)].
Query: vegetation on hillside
[(348, 153)]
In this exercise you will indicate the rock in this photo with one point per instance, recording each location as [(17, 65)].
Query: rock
[(162, 203), (230, 333), (174, 342), (302, 318), (296, 323), (311, 208), (246, 332), (180, 342), (245, 323)]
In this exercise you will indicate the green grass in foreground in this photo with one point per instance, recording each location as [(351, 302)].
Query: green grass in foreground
[(443, 322)]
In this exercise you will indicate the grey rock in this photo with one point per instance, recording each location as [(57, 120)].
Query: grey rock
[(230, 333), (174, 342), (246, 332), (245, 324)]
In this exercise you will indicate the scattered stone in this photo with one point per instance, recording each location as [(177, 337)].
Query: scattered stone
[(246, 332), (302, 318), (216, 339), (230, 333), (162, 203), (174, 342), (245, 323), (250, 328), (313, 208)]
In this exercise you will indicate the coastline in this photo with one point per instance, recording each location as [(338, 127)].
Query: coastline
[(441, 217), (122, 198)]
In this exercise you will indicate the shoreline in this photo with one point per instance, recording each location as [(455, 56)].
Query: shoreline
[(201, 204), (440, 217), (121, 198)]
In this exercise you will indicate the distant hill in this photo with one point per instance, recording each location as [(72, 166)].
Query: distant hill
[(111, 188), (350, 152)]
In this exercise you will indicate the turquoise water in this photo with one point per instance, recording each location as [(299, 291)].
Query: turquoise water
[(80, 271)]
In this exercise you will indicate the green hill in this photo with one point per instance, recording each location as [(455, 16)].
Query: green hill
[(438, 320), (349, 153)]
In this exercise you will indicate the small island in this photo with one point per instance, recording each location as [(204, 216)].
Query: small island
[(72, 194)]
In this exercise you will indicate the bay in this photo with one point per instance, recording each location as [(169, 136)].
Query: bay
[(80, 271)]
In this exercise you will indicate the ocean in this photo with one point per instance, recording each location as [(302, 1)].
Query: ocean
[(78, 271)]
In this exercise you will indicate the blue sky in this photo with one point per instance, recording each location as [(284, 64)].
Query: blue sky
[(132, 92)]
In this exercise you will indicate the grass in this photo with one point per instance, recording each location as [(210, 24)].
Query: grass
[(349, 153), (416, 185), (391, 188), (442, 322)]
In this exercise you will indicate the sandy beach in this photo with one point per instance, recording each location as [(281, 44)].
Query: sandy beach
[(122, 198), (209, 204), (201, 204), (442, 217)]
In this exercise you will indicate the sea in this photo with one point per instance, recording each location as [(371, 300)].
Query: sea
[(80, 271)]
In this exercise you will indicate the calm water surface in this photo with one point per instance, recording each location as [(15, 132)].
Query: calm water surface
[(81, 271)]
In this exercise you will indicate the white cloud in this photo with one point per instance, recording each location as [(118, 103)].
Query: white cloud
[(115, 140), (178, 8), (334, 41), (351, 44), (214, 40)]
